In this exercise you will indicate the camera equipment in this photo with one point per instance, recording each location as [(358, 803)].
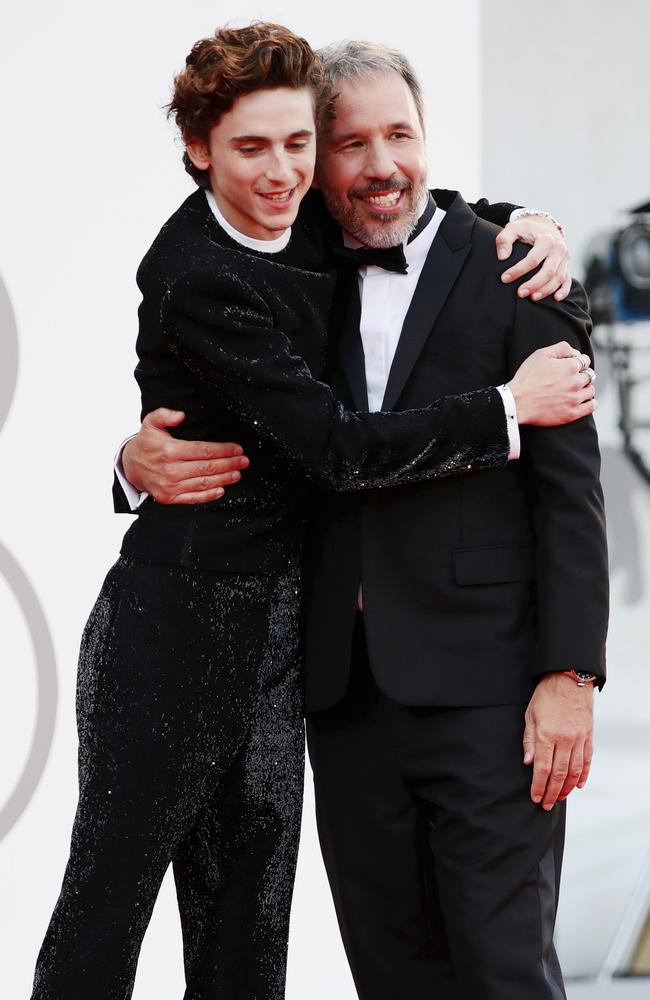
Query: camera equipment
[(617, 281)]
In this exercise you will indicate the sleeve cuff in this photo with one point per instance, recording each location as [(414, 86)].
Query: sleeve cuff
[(133, 497), (510, 408)]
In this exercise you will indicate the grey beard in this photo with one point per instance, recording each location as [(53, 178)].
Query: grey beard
[(390, 233)]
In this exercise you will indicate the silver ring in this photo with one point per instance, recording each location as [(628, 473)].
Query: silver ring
[(590, 373)]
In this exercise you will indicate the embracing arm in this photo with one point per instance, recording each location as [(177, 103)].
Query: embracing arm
[(223, 331), (548, 248)]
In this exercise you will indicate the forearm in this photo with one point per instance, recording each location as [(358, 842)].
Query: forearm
[(251, 367)]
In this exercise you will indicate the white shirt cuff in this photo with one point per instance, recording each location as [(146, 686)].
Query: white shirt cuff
[(510, 408), (133, 497), (517, 213)]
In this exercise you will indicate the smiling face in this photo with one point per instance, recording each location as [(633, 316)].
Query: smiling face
[(260, 158), (371, 160)]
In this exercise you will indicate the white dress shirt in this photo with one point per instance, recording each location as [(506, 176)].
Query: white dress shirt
[(385, 299)]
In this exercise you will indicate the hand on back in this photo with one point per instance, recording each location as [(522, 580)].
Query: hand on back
[(174, 471)]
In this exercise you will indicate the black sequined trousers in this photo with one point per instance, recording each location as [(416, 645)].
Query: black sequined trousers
[(191, 752)]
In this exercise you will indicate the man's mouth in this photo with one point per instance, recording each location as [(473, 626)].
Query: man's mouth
[(384, 202), (277, 198)]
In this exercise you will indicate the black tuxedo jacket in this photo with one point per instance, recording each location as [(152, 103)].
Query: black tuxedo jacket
[(237, 339), (476, 585)]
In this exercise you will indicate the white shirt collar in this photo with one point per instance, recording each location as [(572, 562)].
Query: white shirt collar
[(265, 246)]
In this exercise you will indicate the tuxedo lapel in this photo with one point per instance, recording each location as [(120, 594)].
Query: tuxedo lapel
[(346, 317), (444, 262)]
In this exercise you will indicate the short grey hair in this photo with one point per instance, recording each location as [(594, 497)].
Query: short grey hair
[(353, 58)]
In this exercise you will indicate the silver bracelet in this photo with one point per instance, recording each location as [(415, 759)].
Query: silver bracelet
[(521, 213)]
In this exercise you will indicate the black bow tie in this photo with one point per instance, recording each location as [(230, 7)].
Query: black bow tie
[(390, 258)]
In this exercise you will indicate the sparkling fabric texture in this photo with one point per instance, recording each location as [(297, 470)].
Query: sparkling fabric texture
[(189, 715), (237, 340), (191, 752)]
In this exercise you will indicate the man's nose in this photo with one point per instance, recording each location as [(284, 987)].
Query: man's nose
[(280, 170), (380, 165)]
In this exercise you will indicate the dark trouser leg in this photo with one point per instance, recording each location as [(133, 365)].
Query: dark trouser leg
[(235, 871), (166, 690), (497, 856), (375, 848), (381, 772)]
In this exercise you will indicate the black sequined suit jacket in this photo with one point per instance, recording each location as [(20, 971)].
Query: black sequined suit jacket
[(237, 339), (475, 585)]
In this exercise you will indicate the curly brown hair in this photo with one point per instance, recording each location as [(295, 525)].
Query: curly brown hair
[(234, 62)]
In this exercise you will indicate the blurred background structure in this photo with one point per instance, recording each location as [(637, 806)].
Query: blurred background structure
[(549, 109)]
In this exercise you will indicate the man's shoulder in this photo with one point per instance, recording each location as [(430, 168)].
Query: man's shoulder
[(461, 226), (183, 242)]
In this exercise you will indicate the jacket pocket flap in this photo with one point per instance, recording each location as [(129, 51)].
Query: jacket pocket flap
[(494, 564)]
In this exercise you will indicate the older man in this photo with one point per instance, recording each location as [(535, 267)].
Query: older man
[(446, 621)]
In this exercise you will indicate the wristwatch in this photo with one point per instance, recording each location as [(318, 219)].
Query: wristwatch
[(581, 677)]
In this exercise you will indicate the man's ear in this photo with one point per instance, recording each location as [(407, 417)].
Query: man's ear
[(198, 154)]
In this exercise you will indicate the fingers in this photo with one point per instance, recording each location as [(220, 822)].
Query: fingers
[(529, 743), (504, 244), (164, 417), (547, 280), (587, 757), (560, 350), (586, 395), (557, 776), (204, 484), (541, 771), (558, 770), (565, 287), (532, 260), (185, 498), (176, 450), (201, 489), (574, 772), (179, 472)]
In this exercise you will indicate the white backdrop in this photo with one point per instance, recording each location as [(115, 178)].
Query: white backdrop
[(88, 173), (568, 83)]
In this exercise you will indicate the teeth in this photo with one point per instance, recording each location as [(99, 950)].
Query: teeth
[(285, 196), (385, 200)]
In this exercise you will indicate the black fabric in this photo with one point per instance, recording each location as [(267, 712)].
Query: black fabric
[(191, 749), (472, 585), (444, 873), (388, 258), (234, 338)]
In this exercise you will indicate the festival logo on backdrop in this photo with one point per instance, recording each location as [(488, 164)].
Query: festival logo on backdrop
[(28, 771)]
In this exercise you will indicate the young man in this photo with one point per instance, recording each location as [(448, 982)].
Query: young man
[(189, 756), (479, 595)]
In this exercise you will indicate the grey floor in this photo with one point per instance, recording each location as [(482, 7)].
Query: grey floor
[(622, 989)]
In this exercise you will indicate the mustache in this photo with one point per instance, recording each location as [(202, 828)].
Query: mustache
[(381, 187)]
